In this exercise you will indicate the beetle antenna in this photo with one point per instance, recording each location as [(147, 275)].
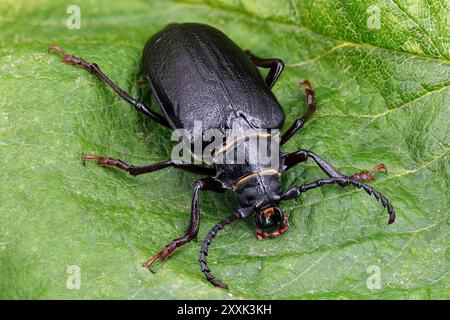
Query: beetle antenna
[(297, 191), (206, 243)]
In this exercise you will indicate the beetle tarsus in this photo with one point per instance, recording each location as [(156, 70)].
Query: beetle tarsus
[(107, 162), (70, 59), (164, 254), (150, 262), (300, 122), (56, 48), (167, 251), (368, 175), (137, 170)]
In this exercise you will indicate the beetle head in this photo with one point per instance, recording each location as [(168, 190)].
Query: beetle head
[(269, 217), (263, 194)]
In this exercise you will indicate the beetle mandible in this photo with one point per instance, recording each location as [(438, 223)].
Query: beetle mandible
[(197, 73)]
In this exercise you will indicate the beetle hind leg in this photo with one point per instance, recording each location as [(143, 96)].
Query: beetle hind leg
[(300, 122), (95, 70), (291, 159), (168, 250), (137, 170), (276, 67), (368, 175)]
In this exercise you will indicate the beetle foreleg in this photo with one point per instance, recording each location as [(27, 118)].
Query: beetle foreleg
[(94, 69), (299, 123), (297, 191), (191, 233), (367, 175), (134, 170)]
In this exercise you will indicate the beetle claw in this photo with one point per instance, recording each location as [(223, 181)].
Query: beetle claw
[(68, 58), (150, 262), (164, 254), (72, 60), (56, 48), (103, 161), (100, 159), (306, 84)]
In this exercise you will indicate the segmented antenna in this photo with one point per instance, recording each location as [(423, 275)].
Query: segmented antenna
[(297, 191), (204, 249)]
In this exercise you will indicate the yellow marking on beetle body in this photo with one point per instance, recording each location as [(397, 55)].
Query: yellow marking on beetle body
[(263, 172), (228, 144)]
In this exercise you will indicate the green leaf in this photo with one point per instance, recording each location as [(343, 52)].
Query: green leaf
[(381, 77)]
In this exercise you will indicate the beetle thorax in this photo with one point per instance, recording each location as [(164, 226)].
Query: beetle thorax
[(260, 189)]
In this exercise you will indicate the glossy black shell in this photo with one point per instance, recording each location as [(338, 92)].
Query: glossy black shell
[(198, 74)]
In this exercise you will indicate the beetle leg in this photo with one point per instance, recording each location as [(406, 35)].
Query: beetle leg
[(94, 69), (291, 159), (367, 175), (134, 170), (299, 123), (276, 67), (210, 184), (297, 191)]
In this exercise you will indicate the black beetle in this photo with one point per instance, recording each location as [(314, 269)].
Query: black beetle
[(198, 74)]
